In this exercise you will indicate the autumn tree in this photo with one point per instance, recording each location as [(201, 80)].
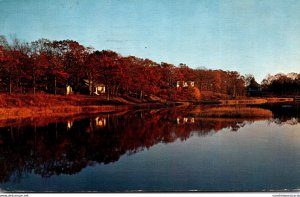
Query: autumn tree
[(137, 75), (74, 58), (108, 70), (56, 71), (14, 61), (11, 63), (39, 51)]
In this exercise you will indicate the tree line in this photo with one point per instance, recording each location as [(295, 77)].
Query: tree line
[(49, 66), (282, 84)]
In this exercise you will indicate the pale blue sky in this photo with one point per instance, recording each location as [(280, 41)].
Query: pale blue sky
[(250, 36)]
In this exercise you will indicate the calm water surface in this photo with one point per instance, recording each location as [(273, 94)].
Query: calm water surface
[(152, 150)]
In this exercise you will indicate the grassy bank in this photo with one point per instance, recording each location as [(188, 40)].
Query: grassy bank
[(50, 100), (47, 105), (255, 101), (53, 106), (55, 111), (42, 116), (232, 112)]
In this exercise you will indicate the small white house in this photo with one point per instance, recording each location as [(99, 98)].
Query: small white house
[(98, 88), (68, 90)]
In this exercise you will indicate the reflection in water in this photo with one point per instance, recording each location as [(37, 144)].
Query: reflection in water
[(100, 121), (185, 120), (285, 114), (68, 147), (69, 124)]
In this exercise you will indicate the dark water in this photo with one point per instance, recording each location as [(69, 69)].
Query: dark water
[(152, 150)]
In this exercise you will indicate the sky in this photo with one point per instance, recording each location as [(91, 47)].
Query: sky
[(250, 36)]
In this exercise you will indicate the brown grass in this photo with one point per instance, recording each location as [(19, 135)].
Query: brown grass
[(243, 101), (210, 95), (279, 100), (232, 112), (57, 111), (255, 101), (47, 105), (41, 116), (49, 100)]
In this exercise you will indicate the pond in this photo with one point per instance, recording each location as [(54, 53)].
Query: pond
[(152, 150)]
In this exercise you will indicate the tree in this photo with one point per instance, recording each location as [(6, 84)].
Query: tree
[(74, 57), (108, 70), (250, 81), (236, 84), (40, 64), (11, 63), (56, 70), (91, 65), (281, 84), (40, 55)]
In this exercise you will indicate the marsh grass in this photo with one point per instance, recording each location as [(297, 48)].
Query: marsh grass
[(255, 101), (232, 112), (56, 111), (49, 100), (47, 105)]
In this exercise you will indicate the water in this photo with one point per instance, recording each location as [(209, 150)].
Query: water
[(152, 150)]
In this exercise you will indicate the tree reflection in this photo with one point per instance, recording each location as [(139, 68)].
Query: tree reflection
[(69, 146), (284, 113)]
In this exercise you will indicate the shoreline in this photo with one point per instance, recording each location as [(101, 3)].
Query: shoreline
[(248, 101), (48, 106), (56, 111)]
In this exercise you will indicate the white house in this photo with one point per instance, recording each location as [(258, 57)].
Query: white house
[(68, 90), (98, 88)]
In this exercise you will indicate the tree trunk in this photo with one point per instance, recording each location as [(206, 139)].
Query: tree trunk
[(117, 90), (77, 85), (66, 85), (90, 92), (107, 95), (20, 86), (93, 85), (54, 84), (47, 84), (234, 90), (33, 84), (10, 85)]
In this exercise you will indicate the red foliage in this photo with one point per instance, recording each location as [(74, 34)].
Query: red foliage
[(47, 65)]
